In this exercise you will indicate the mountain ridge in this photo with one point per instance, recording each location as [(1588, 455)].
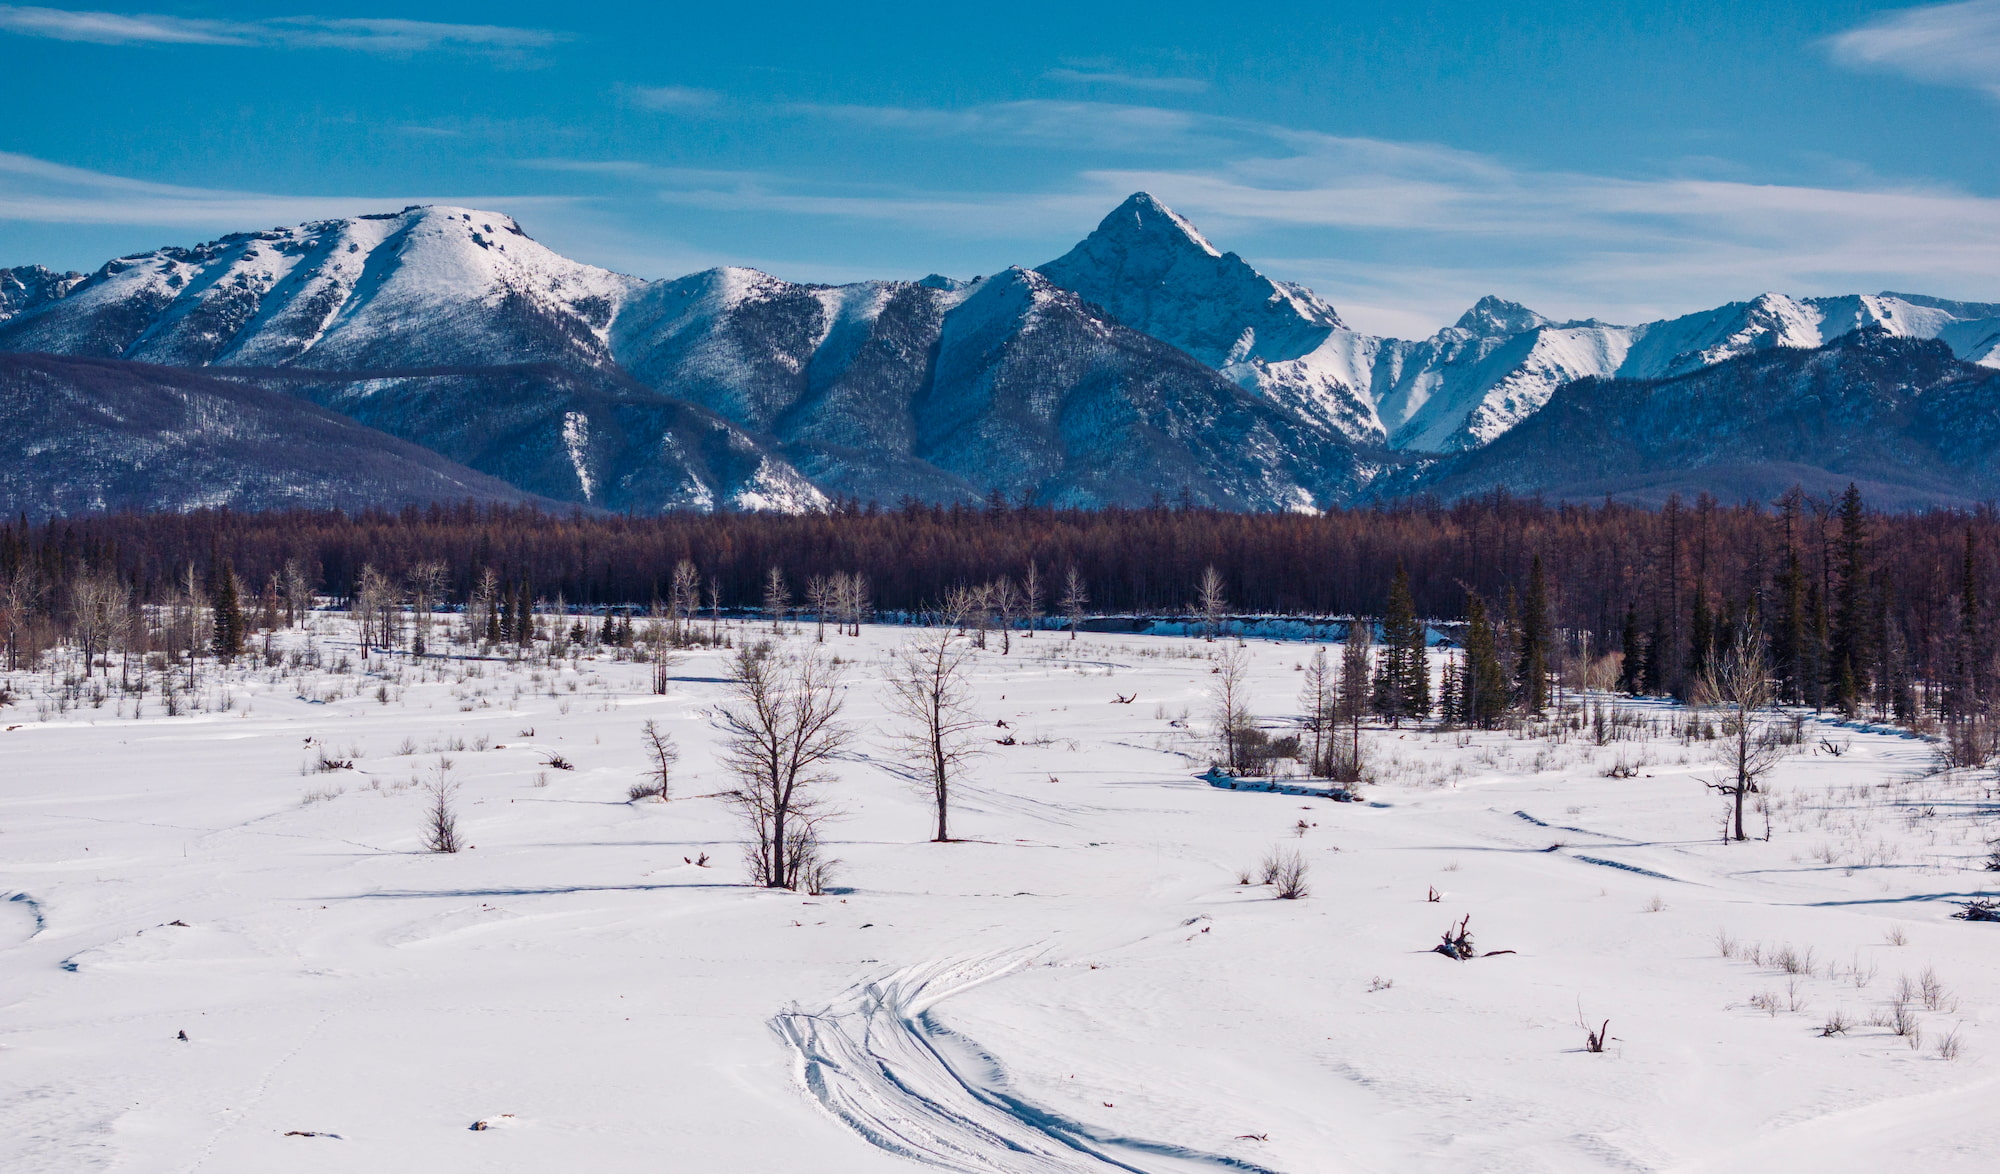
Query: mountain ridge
[(1144, 362)]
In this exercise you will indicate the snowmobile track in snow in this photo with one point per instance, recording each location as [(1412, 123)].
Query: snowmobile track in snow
[(883, 1065)]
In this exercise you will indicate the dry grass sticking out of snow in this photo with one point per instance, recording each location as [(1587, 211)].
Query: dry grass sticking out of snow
[(1081, 975)]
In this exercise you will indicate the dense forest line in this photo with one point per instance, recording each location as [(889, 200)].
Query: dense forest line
[(1859, 610)]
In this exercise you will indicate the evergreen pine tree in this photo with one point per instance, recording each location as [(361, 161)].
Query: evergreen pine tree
[(230, 628), (1485, 682), (1633, 664), (1451, 691), (1849, 643), (1531, 673), (1793, 633), (1701, 632), (1653, 681), (1403, 685)]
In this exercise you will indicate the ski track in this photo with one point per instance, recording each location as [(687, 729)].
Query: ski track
[(883, 1065)]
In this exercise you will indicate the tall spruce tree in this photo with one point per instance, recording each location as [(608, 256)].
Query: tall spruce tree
[(1484, 684), (1792, 633), (1701, 632), (1403, 683), (1531, 672), (231, 630), (1632, 665), (1849, 651)]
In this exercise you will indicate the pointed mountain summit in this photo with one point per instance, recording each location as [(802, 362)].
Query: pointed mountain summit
[(1153, 271), (1498, 316)]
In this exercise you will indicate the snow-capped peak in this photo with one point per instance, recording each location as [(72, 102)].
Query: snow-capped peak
[(1153, 271), (1492, 315), (1141, 217)]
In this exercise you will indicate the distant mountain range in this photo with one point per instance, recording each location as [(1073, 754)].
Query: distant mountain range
[(1145, 363)]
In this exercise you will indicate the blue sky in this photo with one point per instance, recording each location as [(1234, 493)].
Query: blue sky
[(1614, 160)]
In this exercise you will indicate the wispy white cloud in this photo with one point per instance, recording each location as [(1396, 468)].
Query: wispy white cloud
[(37, 191), (384, 35), (1083, 75), (1421, 230), (1041, 123), (1949, 44), (673, 97)]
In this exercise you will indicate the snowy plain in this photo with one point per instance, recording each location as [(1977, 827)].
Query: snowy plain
[(1081, 984)]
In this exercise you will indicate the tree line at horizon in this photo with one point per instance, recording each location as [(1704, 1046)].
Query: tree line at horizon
[(1861, 612)]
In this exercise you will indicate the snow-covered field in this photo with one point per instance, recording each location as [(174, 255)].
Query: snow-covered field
[(1082, 984)]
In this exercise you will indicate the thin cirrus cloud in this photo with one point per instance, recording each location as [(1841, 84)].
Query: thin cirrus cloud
[(37, 191), (376, 35), (1084, 75), (1420, 230), (687, 98), (1948, 44)]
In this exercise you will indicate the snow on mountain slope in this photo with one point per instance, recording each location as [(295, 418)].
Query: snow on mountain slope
[(29, 287), (1903, 417), (1153, 271), (939, 389), (426, 286), (87, 435), (1035, 392), (1498, 365), (1459, 388), (590, 437)]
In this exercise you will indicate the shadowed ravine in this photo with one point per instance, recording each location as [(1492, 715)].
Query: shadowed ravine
[(881, 1063)]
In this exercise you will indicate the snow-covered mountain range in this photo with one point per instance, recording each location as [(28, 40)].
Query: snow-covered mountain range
[(1902, 417), (1144, 362)]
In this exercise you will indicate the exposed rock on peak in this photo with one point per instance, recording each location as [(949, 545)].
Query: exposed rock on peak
[(1153, 271)]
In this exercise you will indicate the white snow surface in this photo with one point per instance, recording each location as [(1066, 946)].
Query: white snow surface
[(1080, 983)]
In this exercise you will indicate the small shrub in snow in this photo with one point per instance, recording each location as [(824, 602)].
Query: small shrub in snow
[(1285, 869), (441, 817), (1977, 909)]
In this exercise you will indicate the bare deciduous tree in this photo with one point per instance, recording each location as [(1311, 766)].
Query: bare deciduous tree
[(297, 591), (1741, 686), (1005, 599), (928, 690), (779, 737), (1031, 598), (1211, 602), (821, 592), (1075, 598), (683, 600), (427, 581), (777, 599), (1228, 708), (1319, 699), (661, 755)]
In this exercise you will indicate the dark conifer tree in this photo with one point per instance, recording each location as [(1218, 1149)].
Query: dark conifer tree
[(1633, 664), (1403, 681), (1653, 681), (1849, 650), (230, 628), (1485, 681), (1701, 632), (1531, 672), (1792, 632)]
